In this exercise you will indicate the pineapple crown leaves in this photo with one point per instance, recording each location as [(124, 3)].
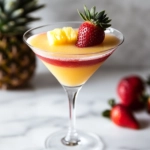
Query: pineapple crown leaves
[(15, 15), (97, 18)]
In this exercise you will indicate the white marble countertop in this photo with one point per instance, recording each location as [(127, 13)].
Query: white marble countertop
[(28, 116)]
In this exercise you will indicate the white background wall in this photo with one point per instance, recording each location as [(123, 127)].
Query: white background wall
[(129, 16)]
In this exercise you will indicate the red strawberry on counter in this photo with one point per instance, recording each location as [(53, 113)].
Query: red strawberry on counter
[(130, 90), (121, 116), (91, 32)]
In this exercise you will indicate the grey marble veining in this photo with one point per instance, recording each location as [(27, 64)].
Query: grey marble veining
[(28, 116)]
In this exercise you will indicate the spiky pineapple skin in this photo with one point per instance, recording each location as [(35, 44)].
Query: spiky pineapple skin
[(17, 62)]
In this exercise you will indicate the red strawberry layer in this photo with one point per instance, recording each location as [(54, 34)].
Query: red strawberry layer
[(73, 63)]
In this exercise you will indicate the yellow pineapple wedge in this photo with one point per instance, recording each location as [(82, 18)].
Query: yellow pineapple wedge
[(59, 36)]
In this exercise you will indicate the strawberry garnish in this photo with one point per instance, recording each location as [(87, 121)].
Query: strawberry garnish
[(121, 116), (91, 32)]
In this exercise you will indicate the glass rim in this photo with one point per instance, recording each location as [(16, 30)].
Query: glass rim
[(75, 22)]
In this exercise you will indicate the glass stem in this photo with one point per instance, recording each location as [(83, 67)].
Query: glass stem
[(72, 137)]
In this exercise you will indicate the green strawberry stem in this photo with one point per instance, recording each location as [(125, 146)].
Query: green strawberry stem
[(146, 102), (144, 98), (106, 113), (112, 102), (97, 18), (148, 81)]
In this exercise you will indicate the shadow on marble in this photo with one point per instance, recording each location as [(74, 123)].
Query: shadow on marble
[(144, 123)]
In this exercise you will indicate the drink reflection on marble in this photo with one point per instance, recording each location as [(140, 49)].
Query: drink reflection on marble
[(72, 67)]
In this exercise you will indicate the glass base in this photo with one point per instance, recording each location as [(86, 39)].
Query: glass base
[(87, 141)]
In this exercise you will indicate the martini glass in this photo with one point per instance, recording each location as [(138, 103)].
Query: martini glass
[(72, 70)]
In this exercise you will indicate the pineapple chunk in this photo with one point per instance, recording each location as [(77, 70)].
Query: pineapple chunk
[(65, 35)]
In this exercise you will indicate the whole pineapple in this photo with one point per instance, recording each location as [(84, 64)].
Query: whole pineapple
[(17, 61)]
